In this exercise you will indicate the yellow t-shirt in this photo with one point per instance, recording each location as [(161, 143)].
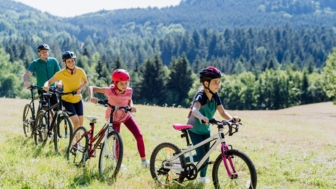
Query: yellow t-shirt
[(71, 83)]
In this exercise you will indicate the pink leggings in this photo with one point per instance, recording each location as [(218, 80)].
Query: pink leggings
[(134, 128)]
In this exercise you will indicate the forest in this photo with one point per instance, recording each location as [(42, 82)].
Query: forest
[(265, 66)]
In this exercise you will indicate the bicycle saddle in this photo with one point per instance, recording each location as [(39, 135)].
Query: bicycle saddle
[(92, 118), (179, 127)]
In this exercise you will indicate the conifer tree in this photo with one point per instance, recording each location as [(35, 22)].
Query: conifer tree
[(330, 76), (152, 86), (180, 81)]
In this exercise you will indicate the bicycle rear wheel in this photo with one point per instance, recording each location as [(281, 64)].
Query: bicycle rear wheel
[(111, 155), (28, 120), (160, 154), (245, 177), (62, 133), (40, 128), (78, 146)]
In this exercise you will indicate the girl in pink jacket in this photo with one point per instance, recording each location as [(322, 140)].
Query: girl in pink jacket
[(119, 94)]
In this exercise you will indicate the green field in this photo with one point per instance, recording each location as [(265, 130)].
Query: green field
[(290, 148)]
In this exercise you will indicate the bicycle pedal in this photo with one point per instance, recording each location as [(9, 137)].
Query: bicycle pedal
[(211, 162)]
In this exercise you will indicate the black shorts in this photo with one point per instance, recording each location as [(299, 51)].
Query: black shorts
[(73, 108)]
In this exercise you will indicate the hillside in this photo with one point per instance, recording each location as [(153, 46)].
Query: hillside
[(189, 15), (289, 148), (215, 14)]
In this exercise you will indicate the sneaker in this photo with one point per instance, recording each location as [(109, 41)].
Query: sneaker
[(123, 167), (203, 179), (145, 164)]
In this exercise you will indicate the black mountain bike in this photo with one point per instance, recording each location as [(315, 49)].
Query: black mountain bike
[(56, 126), (29, 116)]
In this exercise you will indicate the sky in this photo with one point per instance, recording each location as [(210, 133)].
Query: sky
[(70, 8)]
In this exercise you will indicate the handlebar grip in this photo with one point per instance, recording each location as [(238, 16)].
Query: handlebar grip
[(103, 102), (128, 109)]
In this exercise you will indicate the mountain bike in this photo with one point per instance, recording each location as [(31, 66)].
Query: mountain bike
[(231, 169), (60, 129), (29, 115), (83, 145)]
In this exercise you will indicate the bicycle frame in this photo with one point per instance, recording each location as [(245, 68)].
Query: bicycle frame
[(96, 140), (33, 98), (58, 105), (102, 134), (219, 138)]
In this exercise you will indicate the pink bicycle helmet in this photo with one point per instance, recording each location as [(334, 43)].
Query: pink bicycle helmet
[(120, 75)]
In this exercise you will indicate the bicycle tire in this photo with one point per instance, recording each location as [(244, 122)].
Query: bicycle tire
[(40, 128), (247, 175), (78, 146), (110, 158), (160, 154), (28, 121), (63, 130)]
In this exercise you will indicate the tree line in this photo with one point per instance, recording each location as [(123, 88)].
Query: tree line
[(175, 85)]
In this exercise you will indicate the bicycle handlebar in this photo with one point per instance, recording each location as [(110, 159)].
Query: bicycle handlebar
[(55, 90), (106, 104), (232, 124), (32, 87)]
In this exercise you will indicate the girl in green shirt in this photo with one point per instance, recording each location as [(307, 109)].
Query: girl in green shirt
[(204, 107)]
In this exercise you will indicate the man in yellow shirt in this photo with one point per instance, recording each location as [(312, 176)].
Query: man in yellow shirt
[(73, 79)]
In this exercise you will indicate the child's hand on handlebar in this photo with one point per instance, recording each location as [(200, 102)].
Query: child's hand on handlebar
[(133, 109), (236, 119), (94, 100), (204, 120)]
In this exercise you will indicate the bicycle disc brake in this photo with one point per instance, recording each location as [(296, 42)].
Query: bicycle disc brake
[(190, 171)]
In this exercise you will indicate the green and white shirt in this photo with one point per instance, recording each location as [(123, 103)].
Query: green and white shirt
[(208, 109)]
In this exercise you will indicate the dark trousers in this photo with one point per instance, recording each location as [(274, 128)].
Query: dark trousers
[(200, 151)]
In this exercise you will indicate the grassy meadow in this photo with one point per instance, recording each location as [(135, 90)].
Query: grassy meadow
[(290, 148)]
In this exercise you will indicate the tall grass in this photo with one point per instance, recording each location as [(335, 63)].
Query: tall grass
[(291, 148)]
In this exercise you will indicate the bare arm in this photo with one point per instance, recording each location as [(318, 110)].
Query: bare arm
[(25, 79), (48, 83), (131, 105), (92, 90), (84, 84), (195, 111), (225, 114)]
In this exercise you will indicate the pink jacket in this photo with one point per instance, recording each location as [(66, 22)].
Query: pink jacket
[(116, 99)]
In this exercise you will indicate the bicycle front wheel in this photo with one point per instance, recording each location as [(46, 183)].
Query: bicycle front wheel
[(28, 120), (40, 128), (62, 133), (78, 146), (111, 155), (245, 175), (160, 155)]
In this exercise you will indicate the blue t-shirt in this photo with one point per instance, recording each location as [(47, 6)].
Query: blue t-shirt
[(44, 70), (208, 109)]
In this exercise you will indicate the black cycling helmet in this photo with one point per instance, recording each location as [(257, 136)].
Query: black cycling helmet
[(42, 47), (67, 55), (209, 73)]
